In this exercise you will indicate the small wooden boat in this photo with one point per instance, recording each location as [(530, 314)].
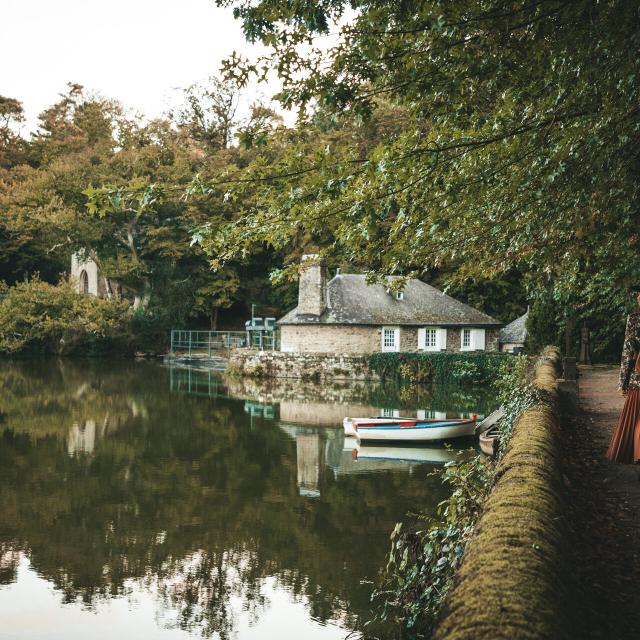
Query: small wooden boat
[(492, 419), (408, 429), (351, 424), (490, 441)]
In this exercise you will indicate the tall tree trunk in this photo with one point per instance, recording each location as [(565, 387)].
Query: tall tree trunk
[(108, 291), (141, 300), (214, 319)]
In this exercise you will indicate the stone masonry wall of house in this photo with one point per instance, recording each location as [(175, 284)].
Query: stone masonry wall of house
[(352, 339), (358, 339), (93, 275), (492, 340)]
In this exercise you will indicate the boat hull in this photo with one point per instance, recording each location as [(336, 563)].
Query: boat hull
[(407, 432), (351, 424)]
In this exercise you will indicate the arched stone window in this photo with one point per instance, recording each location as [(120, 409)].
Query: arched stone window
[(84, 282)]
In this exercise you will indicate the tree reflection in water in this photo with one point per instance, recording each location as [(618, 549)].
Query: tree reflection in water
[(110, 482)]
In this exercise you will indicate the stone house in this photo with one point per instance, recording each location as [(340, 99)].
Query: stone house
[(347, 315), (514, 335), (88, 279)]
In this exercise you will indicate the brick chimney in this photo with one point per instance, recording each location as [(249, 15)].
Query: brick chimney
[(312, 289)]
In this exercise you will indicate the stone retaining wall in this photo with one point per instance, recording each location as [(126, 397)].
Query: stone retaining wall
[(514, 581), (309, 366)]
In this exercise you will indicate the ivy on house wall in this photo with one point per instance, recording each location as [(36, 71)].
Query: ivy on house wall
[(470, 368)]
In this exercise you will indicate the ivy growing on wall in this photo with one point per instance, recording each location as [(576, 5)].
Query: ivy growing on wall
[(441, 367), (426, 553)]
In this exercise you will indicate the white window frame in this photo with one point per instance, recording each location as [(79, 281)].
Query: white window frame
[(438, 341), (399, 295), (476, 339), (430, 339), (429, 414), (390, 348), (463, 333)]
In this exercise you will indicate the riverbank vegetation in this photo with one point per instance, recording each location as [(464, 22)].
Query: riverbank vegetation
[(427, 551), (85, 141), (37, 318)]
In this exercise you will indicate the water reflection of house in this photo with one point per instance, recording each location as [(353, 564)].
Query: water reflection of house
[(427, 414), (310, 462), (9, 561), (321, 449), (82, 437), (302, 411), (259, 409)]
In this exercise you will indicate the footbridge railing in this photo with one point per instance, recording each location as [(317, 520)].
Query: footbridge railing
[(191, 342)]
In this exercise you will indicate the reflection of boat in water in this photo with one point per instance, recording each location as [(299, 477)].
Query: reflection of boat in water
[(425, 455), (320, 448), (408, 429)]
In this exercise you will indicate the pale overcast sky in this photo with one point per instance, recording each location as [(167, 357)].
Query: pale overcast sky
[(136, 51)]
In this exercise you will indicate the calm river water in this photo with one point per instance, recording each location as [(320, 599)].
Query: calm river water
[(138, 501)]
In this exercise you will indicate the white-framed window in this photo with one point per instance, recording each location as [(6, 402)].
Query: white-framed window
[(428, 414), (399, 295), (390, 413), (472, 339), (391, 338), (432, 339)]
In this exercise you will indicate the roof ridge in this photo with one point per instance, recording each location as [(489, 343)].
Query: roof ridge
[(352, 301)]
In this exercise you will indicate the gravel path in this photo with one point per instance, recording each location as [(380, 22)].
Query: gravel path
[(604, 514)]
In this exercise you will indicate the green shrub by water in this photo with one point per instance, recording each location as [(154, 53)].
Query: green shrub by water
[(425, 554), (40, 318), (441, 367)]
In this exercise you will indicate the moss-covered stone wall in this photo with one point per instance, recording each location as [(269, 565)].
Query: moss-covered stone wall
[(514, 582)]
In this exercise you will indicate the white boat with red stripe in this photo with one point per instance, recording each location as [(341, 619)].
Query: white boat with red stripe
[(409, 429)]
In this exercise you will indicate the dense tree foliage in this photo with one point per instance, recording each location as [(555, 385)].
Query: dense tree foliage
[(39, 317), (145, 242), (488, 147), (518, 148)]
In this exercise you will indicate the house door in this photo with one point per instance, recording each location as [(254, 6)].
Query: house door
[(390, 339)]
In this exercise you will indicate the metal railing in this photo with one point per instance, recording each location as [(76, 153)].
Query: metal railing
[(263, 340), (201, 342), (208, 342)]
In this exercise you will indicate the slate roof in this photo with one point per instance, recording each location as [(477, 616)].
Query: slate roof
[(350, 300), (515, 331)]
